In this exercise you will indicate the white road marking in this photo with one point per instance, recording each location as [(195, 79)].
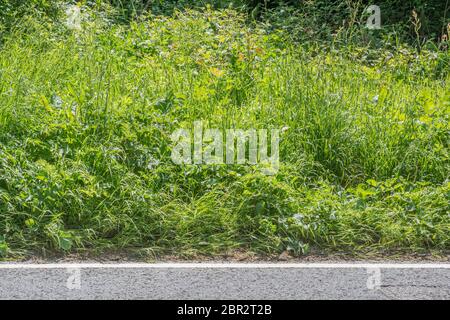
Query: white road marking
[(182, 265)]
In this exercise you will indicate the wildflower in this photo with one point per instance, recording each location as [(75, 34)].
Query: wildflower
[(73, 20), (217, 72), (375, 99)]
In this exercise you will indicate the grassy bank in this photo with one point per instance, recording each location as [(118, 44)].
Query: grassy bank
[(86, 117)]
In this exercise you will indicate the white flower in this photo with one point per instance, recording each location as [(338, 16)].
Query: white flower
[(57, 101), (375, 99), (73, 20)]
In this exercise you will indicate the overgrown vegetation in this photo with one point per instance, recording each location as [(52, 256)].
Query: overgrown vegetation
[(86, 117)]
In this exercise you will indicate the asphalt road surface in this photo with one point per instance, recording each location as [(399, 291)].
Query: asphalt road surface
[(225, 281)]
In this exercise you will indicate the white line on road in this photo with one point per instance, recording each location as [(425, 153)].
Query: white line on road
[(182, 265)]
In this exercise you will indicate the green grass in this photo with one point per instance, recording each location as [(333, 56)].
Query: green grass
[(86, 119)]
